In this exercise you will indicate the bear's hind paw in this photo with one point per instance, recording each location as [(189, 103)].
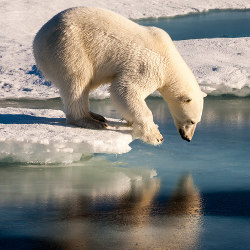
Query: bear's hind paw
[(88, 122)]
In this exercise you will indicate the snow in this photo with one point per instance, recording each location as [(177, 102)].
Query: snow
[(220, 65), (20, 20), (41, 135)]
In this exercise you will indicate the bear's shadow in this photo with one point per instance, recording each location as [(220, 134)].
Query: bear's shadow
[(31, 119)]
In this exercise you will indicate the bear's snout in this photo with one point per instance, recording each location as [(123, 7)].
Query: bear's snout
[(184, 136)]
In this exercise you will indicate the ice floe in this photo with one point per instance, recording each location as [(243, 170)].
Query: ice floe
[(41, 135)]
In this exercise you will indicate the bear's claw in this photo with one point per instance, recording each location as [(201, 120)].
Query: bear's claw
[(148, 134), (97, 117)]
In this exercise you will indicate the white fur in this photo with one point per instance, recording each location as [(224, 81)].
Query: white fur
[(81, 48)]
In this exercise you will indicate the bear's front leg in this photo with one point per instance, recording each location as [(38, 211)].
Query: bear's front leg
[(133, 108), (148, 132)]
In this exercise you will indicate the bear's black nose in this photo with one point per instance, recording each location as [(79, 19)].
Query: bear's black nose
[(183, 136)]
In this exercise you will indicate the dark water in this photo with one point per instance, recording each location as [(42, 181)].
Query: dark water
[(212, 24), (200, 198)]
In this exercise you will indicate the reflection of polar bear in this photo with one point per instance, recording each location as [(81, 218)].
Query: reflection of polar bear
[(81, 48)]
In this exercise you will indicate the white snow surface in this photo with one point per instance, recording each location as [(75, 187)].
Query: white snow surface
[(21, 19), (221, 66), (41, 135)]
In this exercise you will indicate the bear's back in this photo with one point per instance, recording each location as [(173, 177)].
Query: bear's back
[(96, 24), (101, 20)]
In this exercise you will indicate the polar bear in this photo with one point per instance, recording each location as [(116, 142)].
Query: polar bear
[(81, 48)]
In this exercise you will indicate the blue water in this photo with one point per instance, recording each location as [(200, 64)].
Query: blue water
[(212, 24), (100, 202)]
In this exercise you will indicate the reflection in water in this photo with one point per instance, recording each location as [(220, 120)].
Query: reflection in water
[(96, 205), (186, 208), (228, 109)]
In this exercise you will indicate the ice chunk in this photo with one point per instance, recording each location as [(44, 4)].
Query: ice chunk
[(41, 135)]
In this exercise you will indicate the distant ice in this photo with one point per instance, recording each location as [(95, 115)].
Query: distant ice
[(41, 135), (221, 66)]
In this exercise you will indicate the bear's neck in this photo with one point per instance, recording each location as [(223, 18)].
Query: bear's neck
[(178, 79)]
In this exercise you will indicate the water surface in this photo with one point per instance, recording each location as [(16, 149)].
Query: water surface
[(211, 24), (200, 197)]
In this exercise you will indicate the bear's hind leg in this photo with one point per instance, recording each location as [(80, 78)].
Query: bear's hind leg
[(77, 110)]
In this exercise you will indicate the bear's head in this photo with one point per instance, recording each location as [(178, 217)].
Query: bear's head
[(186, 110), (182, 92)]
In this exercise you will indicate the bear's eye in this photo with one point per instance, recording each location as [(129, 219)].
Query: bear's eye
[(185, 99), (191, 122)]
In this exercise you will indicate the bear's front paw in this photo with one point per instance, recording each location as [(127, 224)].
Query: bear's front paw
[(149, 134), (155, 138)]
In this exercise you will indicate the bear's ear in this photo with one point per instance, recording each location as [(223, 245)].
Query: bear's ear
[(203, 94), (185, 98)]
